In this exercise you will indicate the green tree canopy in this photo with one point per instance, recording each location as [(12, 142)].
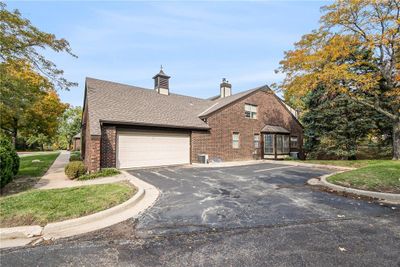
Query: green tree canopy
[(354, 53), (21, 41), (29, 104), (70, 125), (335, 124)]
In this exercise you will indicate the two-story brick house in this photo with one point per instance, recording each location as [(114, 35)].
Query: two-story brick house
[(125, 126)]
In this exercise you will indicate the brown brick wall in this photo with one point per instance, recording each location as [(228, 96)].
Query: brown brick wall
[(108, 146), (94, 153), (90, 146), (85, 139), (217, 142), (100, 152)]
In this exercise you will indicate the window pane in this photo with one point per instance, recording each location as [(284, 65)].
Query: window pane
[(279, 144), (250, 111), (235, 140), (256, 141), (286, 148), (293, 141), (268, 144)]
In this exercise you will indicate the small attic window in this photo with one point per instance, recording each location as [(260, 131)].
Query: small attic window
[(250, 111)]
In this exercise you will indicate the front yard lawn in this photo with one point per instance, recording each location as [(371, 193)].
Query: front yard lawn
[(45, 206), (380, 176), (36, 169), (30, 172)]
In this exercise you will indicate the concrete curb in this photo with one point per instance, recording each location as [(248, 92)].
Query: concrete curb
[(386, 197), (145, 197), (279, 162), (311, 165), (20, 232)]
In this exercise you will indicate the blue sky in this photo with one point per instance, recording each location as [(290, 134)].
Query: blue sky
[(198, 43)]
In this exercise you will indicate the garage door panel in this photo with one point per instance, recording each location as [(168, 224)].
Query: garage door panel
[(151, 148)]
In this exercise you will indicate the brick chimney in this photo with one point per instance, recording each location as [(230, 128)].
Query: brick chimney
[(226, 88), (161, 82)]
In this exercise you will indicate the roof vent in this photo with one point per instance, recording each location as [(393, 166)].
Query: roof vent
[(161, 82), (225, 88)]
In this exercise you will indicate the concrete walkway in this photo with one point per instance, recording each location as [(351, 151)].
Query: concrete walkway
[(55, 176)]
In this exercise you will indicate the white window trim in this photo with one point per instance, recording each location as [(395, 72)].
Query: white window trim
[(252, 109), (236, 140)]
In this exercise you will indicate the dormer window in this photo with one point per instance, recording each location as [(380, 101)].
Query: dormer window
[(250, 111)]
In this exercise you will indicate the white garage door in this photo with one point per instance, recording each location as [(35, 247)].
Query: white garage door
[(152, 148)]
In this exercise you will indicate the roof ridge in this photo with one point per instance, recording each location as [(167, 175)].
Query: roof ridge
[(148, 89), (123, 84), (222, 102)]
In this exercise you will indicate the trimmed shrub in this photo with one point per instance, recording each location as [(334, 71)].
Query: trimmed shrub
[(106, 172), (75, 169), (15, 163), (75, 157), (9, 161)]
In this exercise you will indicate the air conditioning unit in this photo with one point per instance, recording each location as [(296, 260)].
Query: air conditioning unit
[(294, 155), (202, 158)]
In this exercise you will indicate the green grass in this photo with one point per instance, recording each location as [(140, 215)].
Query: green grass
[(379, 176), (102, 173), (347, 163), (28, 168), (45, 206), (29, 172)]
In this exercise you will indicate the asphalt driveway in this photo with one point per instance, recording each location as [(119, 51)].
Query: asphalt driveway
[(254, 215), (194, 199)]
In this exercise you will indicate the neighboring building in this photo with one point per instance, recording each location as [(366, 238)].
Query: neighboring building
[(76, 142), (125, 126)]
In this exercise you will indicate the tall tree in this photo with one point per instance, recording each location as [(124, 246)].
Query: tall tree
[(21, 41), (70, 125), (43, 119), (335, 124), (355, 52), (26, 76), (20, 88)]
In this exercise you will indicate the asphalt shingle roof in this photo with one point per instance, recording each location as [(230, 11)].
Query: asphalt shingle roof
[(274, 129), (125, 104), (115, 102), (222, 102)]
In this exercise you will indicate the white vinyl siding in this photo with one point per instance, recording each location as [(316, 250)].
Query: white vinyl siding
[(250, 111), (152, 148)]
